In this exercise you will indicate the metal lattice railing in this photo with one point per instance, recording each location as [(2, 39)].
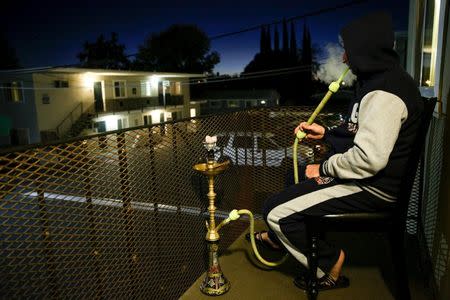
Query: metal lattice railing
[(435, 244), (121, 215)]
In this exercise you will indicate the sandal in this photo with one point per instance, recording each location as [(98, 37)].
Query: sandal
[(325, 282), (261, 242)]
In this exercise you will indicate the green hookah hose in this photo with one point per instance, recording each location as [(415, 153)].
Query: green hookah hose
[(332, 88)]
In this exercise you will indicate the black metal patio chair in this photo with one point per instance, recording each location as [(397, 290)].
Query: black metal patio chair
[(393, 223)]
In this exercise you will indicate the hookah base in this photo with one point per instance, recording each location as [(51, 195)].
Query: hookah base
[(215, 284)]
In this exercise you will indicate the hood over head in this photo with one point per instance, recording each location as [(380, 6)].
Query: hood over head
[(369, 44)]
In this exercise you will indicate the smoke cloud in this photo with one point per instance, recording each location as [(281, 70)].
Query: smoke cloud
[(331, 67)]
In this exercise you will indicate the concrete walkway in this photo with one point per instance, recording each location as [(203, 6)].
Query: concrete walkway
[(368, 266)]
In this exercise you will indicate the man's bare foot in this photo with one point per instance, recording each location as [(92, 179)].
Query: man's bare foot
[(265, 237), (336, 269)]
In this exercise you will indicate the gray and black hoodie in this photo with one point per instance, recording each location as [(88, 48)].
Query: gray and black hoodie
[(373, 145)]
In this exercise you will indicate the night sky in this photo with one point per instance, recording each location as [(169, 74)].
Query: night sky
[(47, 33)]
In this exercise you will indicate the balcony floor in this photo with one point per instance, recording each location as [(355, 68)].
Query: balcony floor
[(368, 265)]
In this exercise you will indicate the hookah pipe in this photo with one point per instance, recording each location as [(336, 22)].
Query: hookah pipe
[(235, 214), (332, 88)]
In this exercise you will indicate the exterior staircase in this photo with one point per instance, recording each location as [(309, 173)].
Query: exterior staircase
[(75, 122), (83, 122)]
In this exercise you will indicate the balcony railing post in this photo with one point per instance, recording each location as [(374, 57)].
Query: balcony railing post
[(127, 210), (151, 145), (46, 232), (236, 151), (174, 143), (244, 142), (96, 251), (285, 147), (264, 141)]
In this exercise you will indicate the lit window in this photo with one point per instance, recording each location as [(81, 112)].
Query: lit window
[(146, 88), (174, 87), (119, 89), (13, 91), (178, 88)]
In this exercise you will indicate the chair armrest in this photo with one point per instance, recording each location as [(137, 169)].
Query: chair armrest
[(358, 216)]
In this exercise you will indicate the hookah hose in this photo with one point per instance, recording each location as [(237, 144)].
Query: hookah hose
[(234, 215), (332, 88)]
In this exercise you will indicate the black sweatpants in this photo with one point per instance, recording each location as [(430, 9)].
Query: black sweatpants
[(284, 213)]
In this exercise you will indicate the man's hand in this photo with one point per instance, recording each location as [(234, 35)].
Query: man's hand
[(312, 171), (313, 131)]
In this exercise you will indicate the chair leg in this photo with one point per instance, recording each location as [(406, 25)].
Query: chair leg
[(399, 262), (313, 290)]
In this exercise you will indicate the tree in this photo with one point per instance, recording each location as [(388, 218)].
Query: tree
[(293, 41), (286, 82), (307, 61), (307, 56), (8, 58), (268, 40), (262, 40), (104, 54), (180, 48), (285, 38), (276, 42)]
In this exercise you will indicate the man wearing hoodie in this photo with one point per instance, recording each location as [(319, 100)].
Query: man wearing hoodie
[(369, 151)]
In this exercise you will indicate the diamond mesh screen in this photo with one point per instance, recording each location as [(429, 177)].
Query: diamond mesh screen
[(122, 215), (432, 179), (435, 244), (412, 216)]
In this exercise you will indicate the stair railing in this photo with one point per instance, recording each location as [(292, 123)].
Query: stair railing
[(69, 120)]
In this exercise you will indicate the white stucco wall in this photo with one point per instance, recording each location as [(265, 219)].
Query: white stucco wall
[(62, 101)]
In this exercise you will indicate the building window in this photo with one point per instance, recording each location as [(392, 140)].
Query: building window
[(61, 84), (233, 103), (119, 89), (146, 89), (45, 99), (134, 91), (215, 104), (177, 88), (429, 46), (14, 91)]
